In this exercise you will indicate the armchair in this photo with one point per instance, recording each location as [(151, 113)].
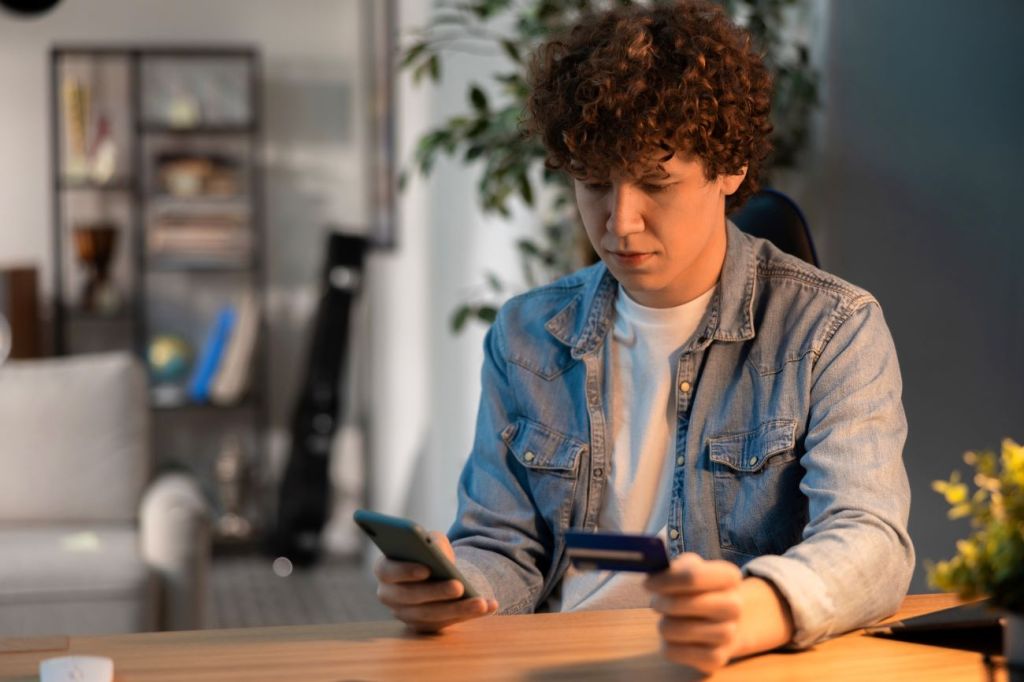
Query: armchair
[(86, 546)]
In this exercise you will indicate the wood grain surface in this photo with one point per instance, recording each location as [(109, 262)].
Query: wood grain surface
[(600, 645)]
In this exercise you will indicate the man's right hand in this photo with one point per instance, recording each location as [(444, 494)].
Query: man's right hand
[(424, 605)]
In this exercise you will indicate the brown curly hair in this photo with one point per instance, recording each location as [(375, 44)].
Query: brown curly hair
[(626, 89)]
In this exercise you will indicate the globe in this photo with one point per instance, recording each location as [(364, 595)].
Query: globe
[(170, 358)]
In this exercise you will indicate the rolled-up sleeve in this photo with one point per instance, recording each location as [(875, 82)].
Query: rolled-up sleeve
[(499, 539), (855, 560)]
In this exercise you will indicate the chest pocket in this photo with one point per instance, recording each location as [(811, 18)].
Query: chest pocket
[(550, 467), (758, 503)]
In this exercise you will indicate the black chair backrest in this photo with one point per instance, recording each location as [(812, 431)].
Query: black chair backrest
[(773, 216)]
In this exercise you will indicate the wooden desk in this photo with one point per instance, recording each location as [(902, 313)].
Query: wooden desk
[(605, 645)]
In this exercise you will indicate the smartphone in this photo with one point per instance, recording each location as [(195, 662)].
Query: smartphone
[(404, 540), (616, 552)]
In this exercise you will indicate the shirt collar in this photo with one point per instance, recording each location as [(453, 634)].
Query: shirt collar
[(584, 322), (736, 288)]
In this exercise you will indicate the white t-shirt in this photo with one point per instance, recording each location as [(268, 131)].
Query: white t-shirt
[(646, 343)]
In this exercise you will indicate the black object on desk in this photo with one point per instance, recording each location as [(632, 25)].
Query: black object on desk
[(971, 627)]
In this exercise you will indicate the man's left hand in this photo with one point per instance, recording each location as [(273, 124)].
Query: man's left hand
[(712, 614), (701, 603)]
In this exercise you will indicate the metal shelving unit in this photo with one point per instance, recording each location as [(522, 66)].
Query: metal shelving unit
[(132, 92)]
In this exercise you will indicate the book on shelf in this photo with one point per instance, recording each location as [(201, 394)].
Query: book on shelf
[(211, 354), (232, 378), (214, 239)]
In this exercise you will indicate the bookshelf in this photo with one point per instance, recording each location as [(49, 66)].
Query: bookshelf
[(158, 238)]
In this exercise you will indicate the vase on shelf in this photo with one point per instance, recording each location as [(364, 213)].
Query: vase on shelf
[(95, 245), (232, 476)]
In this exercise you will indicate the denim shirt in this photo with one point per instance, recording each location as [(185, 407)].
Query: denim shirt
[(790, 431)]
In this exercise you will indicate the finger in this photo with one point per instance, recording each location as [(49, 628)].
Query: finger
[(716, 605), (391, 571), (703, 658), (411, 594), (691, 631), (689, 573), (443, 612), (441, 540)]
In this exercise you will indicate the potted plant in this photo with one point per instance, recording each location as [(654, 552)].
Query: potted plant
[(991, 561)]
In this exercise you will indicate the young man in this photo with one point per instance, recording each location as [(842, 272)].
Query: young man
[(697, 383)]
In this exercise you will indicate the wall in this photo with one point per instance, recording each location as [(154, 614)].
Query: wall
[(427, 379), (913, 196)]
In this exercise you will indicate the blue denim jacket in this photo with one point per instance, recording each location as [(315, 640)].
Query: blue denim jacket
[(789, 440)]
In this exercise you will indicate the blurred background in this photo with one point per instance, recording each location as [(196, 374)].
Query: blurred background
[(226, 327)]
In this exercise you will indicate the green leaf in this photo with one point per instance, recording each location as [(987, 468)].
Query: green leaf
[(478, 127), (460, 316), (412, 53), (484, 9), (420, 71), (528, 248), (428, 144), (525, 190), (514, 85), (449, 142), (494, 283), (479, 99), (428, 67), (512, 50), (473, 152), (487, 313), (548, 9)]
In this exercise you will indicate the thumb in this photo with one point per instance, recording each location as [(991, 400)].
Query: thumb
[(441, 541)]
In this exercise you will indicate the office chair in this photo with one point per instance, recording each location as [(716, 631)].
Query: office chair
[(772, 215)]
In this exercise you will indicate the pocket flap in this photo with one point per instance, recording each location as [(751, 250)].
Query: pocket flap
[(748, 451), (538, 447)]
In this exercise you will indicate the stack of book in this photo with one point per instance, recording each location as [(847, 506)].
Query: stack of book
[(200, 240), (221, 373)]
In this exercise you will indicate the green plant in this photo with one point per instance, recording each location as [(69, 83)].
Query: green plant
[(489, 132), (991, 561)]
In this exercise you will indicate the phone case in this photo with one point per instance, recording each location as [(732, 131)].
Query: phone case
[(404, 540)]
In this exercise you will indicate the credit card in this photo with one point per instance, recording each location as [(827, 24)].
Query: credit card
[(616, 552)]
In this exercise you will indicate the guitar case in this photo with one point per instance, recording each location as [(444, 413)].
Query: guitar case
[(305, 496)]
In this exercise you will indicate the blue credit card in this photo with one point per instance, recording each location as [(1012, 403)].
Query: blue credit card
[(616, 552)]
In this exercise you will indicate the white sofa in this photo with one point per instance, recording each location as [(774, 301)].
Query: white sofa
[(88, 544)]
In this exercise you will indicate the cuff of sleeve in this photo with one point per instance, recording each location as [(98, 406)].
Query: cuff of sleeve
[(472, 573), (808, 598)]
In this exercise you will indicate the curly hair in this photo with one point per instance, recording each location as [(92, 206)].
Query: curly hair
[(626, 89)]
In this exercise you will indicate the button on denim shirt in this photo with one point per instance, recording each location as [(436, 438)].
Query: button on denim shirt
[(789, 439)]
